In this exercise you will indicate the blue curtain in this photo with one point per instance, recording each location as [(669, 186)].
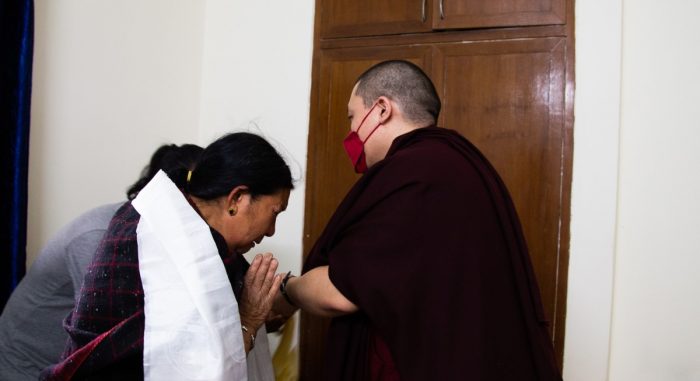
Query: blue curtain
[(16, 48)]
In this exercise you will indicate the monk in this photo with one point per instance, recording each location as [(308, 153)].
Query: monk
[(423, 266)]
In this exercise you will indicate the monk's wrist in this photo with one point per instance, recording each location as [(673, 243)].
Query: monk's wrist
[(284, 289)]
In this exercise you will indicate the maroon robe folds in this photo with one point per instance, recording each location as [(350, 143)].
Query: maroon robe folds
[(429, 247)]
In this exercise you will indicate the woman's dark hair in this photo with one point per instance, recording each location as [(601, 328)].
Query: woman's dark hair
[(172, 159), (235, 159)]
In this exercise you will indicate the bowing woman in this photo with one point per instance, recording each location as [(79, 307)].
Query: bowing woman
[(133, 319)]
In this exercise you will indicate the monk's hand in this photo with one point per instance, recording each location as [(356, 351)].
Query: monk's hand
[(259, 288)]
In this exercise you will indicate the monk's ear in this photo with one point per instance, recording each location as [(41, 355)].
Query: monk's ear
[(386, 109)]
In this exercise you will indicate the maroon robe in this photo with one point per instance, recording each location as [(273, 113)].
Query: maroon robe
[(429, 247)]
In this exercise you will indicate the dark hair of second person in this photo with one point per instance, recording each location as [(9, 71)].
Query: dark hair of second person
[(170, 158)]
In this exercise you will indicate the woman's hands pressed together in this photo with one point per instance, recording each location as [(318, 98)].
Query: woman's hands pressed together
[(259, 288)]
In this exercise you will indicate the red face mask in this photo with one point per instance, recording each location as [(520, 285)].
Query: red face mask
[(355, 147)]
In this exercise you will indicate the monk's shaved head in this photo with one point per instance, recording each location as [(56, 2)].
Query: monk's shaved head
[(404, 83)]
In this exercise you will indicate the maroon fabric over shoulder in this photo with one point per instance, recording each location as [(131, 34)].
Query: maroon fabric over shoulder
[(107, 325), (429, 247)]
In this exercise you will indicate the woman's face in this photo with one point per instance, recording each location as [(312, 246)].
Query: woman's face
[(254, 219)]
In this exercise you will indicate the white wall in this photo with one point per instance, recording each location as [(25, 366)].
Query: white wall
[(257, 77), (632, 309), (113, 79), (656, 313), (594, 189)]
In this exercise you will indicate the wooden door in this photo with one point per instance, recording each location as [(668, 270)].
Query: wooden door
[(461, 14), (330, 174), (354, 18), (508, 98), (346, 18)]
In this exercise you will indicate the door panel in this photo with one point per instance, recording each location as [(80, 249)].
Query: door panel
[(507, 97), (346, 18), (461, 14)]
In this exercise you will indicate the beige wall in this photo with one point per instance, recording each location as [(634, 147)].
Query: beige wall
[(633, 281), (594, 189), (257, 77), (655, 330), (124, 76), (113, 79)]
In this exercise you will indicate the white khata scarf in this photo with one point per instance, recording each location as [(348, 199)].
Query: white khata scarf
[(192, 324)]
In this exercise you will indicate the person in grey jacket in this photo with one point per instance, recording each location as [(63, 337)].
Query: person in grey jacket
[(31, 325)]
